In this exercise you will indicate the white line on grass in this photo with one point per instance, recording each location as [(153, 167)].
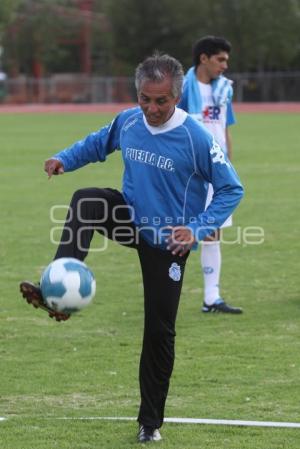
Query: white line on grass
[(223, 422)]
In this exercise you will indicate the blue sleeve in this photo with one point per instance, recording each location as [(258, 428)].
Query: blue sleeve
[(93, 148), (214, 167), (230, 116), (183, 99)]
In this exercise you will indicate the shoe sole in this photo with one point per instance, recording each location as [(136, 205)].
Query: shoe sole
[(154, 439), (33, 296)]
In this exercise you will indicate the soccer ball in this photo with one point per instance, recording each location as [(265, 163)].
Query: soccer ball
[(67, 285)]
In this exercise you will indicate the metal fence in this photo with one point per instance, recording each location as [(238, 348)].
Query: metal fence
[(266, 87), (72, 88)]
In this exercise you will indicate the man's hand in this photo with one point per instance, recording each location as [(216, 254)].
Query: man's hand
[(180, 240), (53, 167)]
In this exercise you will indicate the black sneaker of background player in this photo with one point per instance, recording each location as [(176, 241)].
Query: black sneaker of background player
[(220, 306)]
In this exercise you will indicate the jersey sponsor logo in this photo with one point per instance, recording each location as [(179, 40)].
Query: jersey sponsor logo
[(129, 124), (211, 113), (146, 157), (218, 155), (175, 272)]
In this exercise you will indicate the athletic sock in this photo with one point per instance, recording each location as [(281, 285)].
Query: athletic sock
[(211, 268)]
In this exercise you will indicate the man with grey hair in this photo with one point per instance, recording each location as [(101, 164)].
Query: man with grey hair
[(156, 68), (168, 161)]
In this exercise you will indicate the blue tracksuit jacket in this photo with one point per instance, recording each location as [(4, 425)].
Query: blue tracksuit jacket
[(166, 172)]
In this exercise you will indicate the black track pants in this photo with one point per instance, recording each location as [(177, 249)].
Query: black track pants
[(105, 211)]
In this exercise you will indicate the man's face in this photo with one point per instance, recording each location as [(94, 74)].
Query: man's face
[(215, 65), (157, 101)]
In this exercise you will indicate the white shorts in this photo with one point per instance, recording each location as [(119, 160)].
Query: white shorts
[(227, 223)]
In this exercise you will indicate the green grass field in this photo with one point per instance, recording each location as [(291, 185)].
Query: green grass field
[(227, 367)]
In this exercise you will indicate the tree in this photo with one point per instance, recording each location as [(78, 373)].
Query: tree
[(50, 36), (264, 34), (140, 27), (7, 9)]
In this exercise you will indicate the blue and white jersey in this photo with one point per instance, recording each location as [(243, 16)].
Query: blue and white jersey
[(215, 118), (210, 104), (166, 171)]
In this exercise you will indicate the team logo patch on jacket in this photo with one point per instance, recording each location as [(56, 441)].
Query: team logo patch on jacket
[(175, 272)]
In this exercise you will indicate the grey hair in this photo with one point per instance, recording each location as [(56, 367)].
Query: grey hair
[(156, 67)]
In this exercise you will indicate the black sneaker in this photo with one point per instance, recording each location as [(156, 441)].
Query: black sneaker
[(147, 434), (221, 306)]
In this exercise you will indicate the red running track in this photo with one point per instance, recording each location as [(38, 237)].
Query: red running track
[(113, 108)]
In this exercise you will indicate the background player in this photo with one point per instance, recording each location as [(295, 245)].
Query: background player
[(207, 96)]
